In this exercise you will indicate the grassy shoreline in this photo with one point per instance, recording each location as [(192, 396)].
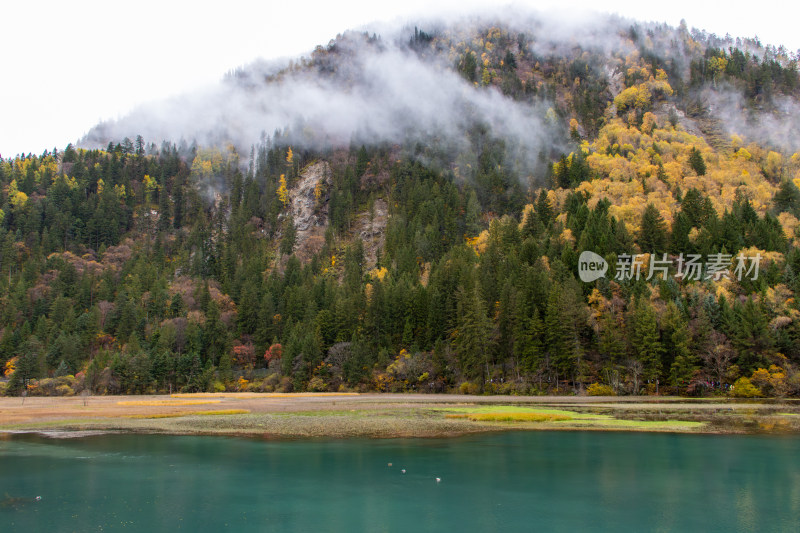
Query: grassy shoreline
[(388, 415)]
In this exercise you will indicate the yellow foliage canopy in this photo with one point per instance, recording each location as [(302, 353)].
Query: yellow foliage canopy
[(634, 167)]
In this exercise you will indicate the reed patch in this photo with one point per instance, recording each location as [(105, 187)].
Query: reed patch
[(161, 403), (511, 417), (193, 413)]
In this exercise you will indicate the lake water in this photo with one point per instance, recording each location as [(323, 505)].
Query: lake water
[(519, 481)]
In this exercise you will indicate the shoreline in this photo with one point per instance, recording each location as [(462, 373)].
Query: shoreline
[(313, 415)]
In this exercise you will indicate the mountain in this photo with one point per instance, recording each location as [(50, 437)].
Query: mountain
[(517, 205)]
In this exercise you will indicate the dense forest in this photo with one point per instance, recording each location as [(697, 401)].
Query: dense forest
[(137, 266)]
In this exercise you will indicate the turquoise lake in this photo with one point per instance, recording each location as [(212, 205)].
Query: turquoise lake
[(516, 481)]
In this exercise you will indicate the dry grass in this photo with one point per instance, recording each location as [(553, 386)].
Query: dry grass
[(511, 417), (157, 415), (260, 394), (193, 413), (390, 415), (167, 402)]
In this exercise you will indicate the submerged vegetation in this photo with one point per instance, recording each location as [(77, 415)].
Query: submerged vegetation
[(429, 263)]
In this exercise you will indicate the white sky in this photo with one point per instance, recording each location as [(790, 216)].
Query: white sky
[(66, 65)]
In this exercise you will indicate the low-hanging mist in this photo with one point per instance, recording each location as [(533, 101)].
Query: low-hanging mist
[(384, 88), (385, 93)]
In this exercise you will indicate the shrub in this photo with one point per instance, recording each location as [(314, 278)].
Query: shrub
[(285, 385), (513, 388), (255, 386), (469, 388), (60, 386), (599, 389), (317, 384), (64, 390), (743, 388)]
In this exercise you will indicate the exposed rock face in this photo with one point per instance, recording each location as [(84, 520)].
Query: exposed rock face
[(310, 216), (371, 228)]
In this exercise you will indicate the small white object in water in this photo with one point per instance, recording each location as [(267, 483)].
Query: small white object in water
[(38, 498), (390, 464), (438, 480), (403, 470)]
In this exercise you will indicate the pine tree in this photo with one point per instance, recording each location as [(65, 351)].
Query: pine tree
[(468, 65), (225, 369), (787, 198), (163, 211), (653, 233), (679, 240), (613, 345), (472, 334), (362, 161), (750, 335), (29, 365), (289, 236), (697, 207), (559, 333), (215, 333), (645, 342), (677, 357), (544, 210), (697, 162), (528, 339), (472, 214)]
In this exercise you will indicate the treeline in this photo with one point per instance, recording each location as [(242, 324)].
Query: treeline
[(143, 267), (141, 270)]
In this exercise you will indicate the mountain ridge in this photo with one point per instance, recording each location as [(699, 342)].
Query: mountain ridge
[(415, 222)]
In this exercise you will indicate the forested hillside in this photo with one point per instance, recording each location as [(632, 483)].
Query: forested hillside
[(420, 228)]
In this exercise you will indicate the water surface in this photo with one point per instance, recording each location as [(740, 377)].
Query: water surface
[(519, 481)]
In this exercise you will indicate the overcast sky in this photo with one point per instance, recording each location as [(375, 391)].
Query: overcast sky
[(68, 65)]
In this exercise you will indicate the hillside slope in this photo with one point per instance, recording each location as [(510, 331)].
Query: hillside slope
[(416, 221)]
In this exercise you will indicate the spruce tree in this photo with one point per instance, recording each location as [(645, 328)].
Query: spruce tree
[(653, 233), (472, 334), (787, 198), (544, 210), (697, 162), (289, 236), (559, 332), (645, 340)]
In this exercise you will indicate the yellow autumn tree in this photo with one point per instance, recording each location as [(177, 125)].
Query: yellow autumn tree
[(318, 191), (773, 165), (379, 273), (150, 185), (15, 196), (717, 66), (283, 192)]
